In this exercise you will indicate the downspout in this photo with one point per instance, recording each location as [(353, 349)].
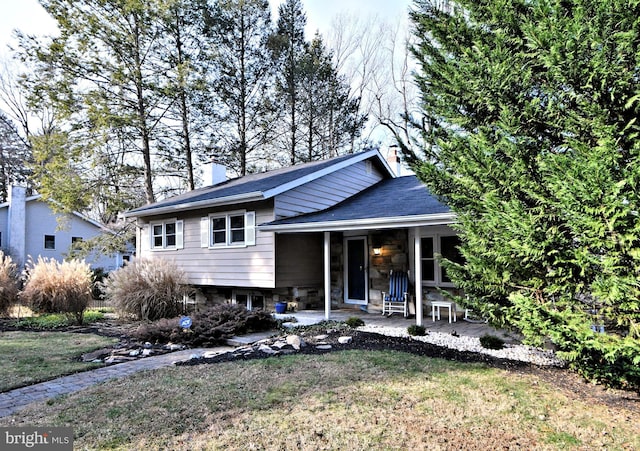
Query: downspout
[(418, 275), (327, 275)]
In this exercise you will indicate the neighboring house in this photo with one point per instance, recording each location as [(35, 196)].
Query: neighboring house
[(29, 229), (321, 234)]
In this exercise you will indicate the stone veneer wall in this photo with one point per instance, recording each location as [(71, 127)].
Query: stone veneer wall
[(394, 257)]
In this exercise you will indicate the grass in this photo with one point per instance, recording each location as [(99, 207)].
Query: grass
[(55, 320), (354, 400), (31, 357)]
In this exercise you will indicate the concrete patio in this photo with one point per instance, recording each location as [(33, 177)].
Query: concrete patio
[(460, 327)]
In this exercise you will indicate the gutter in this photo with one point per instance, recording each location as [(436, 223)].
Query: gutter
[(153, 211), (360, 224)]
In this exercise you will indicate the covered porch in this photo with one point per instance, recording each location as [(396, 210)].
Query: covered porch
[(396, 225)]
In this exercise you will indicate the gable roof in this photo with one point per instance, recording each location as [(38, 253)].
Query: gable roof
[(259, 186), (39, 198), (402, 201)]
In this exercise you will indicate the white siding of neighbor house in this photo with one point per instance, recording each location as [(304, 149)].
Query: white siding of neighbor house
[(41, 221), (327, 191), (243, 266)]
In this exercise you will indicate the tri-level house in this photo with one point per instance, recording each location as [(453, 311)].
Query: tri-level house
[(325, 235)]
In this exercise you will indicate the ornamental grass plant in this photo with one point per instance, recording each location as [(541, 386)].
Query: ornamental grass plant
[(54, 287), (8, 284), (147, 289)]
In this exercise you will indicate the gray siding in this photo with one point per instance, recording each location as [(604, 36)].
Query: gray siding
[(300, 259), (247, 266), (327, 191)]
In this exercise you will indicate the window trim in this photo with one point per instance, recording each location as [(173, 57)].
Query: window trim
[(179, 235), (206, 230), (437, 257)]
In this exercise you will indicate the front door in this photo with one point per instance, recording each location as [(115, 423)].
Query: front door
[(356, 284)]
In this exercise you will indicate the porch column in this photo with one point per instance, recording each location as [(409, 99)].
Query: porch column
[(418, 275), (327, 275)]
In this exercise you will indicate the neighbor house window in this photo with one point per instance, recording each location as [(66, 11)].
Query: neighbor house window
[(230, 229), (433, 247), (76, 239), (166, 235), (49, 242)]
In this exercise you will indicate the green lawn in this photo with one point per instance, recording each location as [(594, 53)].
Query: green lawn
[(30, 357), (352, 400)]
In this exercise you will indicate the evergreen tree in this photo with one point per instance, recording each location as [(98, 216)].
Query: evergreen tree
[(107, 70), (239, 31), (289, 46), (330, 120), (185, 85), (530, 134)]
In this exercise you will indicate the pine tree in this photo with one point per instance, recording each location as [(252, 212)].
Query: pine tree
[(529, 133), (107, 71), (239, 31), (289, 46)]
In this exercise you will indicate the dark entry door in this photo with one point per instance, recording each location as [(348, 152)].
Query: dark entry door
[(356, 285)]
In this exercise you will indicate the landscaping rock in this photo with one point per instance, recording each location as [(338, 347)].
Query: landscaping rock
[(345, 340), (267, 349), (97, 355), (295, 341)]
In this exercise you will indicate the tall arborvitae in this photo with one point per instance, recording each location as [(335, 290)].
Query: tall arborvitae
[(530, 134)]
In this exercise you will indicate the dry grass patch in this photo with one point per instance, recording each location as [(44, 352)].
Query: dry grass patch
[(356, 400), (31, 357)]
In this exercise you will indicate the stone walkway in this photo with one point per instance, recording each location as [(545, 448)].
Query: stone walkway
[(16, 400)]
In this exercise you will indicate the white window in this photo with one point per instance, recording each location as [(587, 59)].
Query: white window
[(167, 235), (434, 247), (230, 229), (253, 300)]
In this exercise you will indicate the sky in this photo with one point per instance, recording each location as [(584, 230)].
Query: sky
[(30, 17)]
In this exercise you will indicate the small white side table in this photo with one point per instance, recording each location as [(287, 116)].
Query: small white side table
[(449, 305)]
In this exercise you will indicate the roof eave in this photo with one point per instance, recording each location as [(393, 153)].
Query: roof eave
[(245, 197), (362, 224)]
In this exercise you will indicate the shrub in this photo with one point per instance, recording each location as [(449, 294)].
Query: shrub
[(98, 277), (416, 330), (354, 322), (147, 289), (491, 342), (8, 283), (210, 327), (54, 287)]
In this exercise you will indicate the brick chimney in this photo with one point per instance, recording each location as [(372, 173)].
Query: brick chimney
[(393, 159)]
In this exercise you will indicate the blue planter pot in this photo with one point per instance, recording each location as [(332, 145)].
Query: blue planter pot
[(281, 307)]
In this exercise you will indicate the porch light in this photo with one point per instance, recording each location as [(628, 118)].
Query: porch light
[(376, 244)]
